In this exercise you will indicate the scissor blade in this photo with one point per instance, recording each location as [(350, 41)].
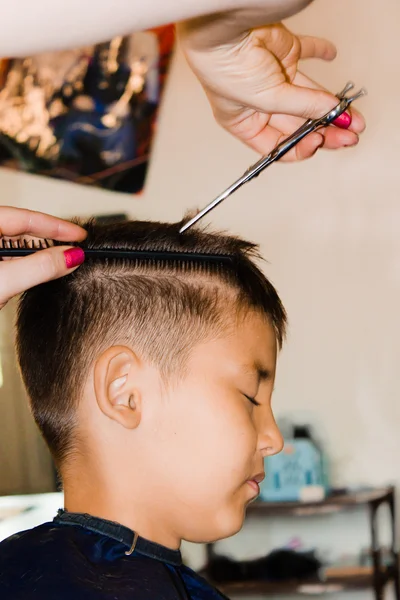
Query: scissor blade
[(232, 188), (308, 127)]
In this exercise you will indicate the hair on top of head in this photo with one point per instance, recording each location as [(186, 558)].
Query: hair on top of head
[(161, 309)]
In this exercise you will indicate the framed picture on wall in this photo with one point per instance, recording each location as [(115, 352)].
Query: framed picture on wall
[(86, 115)]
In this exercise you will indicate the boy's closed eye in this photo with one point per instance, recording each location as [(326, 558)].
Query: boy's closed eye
[(252, 400), (259, 375)]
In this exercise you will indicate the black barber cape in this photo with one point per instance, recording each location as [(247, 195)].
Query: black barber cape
[(79, 557)]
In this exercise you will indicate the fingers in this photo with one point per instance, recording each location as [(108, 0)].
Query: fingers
[(334, 138), (269, 137), (358, 121), (263, 134), (296, 100), (304, 149), (16, 276), (313, 47), (299, 101), (19, 221)]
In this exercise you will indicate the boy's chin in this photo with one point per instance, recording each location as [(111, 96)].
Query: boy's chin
[(226, 526)]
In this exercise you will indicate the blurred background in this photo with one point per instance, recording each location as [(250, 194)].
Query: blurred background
[(329, 229)]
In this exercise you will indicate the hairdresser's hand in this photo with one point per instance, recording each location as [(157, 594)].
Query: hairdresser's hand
[(252, 81), (20, 274)]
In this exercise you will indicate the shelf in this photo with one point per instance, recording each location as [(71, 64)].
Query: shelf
[(356, 579), (335, 579), (331, 504)]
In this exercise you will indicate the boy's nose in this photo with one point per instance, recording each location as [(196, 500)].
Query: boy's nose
[(270, 439)]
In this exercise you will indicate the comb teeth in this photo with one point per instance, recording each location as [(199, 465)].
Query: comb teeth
[(8, 244), (23, 247)]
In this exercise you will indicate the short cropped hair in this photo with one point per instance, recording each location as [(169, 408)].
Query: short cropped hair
[(161, 309)]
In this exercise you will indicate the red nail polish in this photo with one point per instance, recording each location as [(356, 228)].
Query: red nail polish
[(343, 121), (74, 257)]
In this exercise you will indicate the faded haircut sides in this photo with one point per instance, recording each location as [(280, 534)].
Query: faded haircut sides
[(161, 309)]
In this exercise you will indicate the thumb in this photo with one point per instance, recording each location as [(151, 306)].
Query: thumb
[(313, 47), (299, 101), (18, 275)]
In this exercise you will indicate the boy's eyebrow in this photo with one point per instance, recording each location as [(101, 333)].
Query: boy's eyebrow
[(263, 374)]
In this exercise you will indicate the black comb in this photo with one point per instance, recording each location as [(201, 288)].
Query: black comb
[(14, 248)]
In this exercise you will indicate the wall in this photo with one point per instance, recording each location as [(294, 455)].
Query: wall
[(329, 229), (25, 464)]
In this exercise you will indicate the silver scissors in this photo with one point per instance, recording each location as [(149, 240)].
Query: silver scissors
[(308, 127)]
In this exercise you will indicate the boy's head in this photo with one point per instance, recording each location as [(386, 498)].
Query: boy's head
[(151, 382)]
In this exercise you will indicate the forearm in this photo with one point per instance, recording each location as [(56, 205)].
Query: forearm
[(32, 26)]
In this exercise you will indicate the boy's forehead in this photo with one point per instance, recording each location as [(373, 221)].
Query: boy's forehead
[(255, 329), (256, 346), (250, 346)]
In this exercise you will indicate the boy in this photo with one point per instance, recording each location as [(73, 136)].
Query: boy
[(151, 383)]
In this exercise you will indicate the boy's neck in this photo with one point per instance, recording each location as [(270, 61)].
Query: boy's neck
[(111, 502)]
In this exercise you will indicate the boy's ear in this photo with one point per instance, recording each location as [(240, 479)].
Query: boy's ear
[(115, 384)]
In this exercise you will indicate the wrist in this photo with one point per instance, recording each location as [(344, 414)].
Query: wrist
[(231, 26)]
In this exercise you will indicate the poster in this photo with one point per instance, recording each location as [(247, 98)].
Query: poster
[(86, 115)]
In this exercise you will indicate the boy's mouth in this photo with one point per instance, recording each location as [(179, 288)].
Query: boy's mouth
[(255, 481)]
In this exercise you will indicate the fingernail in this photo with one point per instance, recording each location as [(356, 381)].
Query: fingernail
[(349, 139), (343, 121), (74, 257)]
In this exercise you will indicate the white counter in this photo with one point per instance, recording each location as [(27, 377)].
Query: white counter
[(18, 513)]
